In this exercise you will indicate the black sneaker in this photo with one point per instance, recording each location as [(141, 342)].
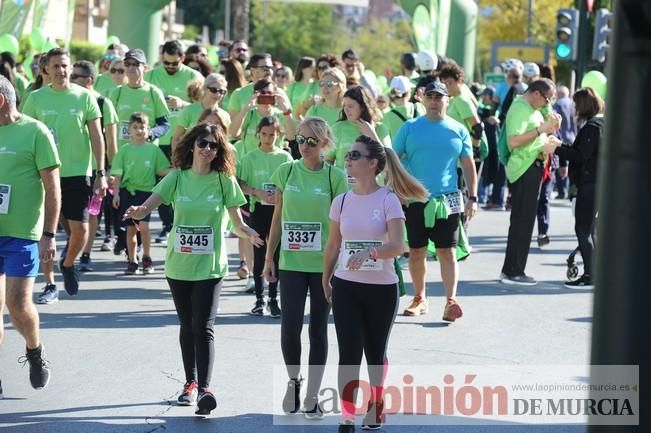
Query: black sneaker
[(132, 269), (291, 401), (162, 238), (585, 282), (347, 426), (50, 295), (374, 417), (518, 280), (543, 241), (273, 308), (258, 308), (39, 373), (188, 396), (312, 409), (206, 402), (70, 278), (85, 263)]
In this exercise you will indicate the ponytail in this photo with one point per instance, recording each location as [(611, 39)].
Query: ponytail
[(403, 184)]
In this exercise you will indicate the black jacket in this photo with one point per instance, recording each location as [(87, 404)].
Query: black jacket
[(583, 154)]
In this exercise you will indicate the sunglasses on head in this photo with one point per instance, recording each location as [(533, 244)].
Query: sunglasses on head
[(202, 144), (329, 84), (354, 155), (117, 71), (171, 63), (217, 91), (311, 141)]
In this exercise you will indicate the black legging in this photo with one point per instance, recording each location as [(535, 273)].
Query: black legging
[(261, 223), (364, 315), (293, 292), (196, 306), (584, 223)]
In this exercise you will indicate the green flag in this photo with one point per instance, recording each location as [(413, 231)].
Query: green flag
[(70, 21), (40, 11), (13, 16)]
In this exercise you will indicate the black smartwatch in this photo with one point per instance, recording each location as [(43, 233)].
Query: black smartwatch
[(472, 198), (48, 234), (101, 172)]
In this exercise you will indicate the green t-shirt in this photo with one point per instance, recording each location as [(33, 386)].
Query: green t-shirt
[(172, 85), (241, 96), (307, 196), (460, 109), (109, 117), (189, 116), (200, 203), (345, 133), (21, 85), (330, 115), (522, 117), (393, 122), (299, 92), (66, 114), (147, 99), (26, 147), (257, 167), (249, 137), (138, 165), (225, 101), (104, 85)]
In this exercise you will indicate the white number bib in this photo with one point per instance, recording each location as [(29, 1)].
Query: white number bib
[(353, 247), (299, 236), (194, 240), (124, 131), (5, 196), (454, 202), (268, 188)]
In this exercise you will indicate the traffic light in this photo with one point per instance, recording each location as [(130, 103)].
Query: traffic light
[(601, 43), (567, 34)]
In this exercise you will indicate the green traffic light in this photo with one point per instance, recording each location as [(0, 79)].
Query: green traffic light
[(563, 51)]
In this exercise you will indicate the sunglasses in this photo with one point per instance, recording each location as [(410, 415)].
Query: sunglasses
[(311, 141), (171, 63), (241, 50), (264, 68), (328, 84), (547, 100), (77, 76), (354, 155), (205, 143), (131, 64), (323, 67), (281, 76), (117, 71), (217, 91)]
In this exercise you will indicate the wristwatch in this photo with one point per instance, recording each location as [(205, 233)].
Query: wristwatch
[(101, 172), (48, 234), (472, 198)]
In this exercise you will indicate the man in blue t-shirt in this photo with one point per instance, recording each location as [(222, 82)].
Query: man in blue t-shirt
[(431, 146)]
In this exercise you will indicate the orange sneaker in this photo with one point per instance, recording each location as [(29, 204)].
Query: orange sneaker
[(452, 311), (417, 307)]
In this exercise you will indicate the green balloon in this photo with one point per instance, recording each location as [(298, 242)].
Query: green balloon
[(597, 81), (383, 84), (48, 45), (422, 26), (8, 42), (36, 39), (112, 39), (213, 58)]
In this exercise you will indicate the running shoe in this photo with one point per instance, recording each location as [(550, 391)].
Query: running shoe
[(85, 263), (132, 269), (162, 238), (70, 278), (258, 307), (188, 396), (417, 307), (585, 282), (39, 373), (147, 265), (107, 245), (452, 311), (250, 285), (347, 426), (518, 280), (374, 417), (312, 409), (273, 308), (206, 402), (243, 271), (292, 399), (50, 295), (543, 241)]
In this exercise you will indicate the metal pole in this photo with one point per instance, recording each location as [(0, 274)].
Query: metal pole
[(584, 41), (529, 20), (227, 20)]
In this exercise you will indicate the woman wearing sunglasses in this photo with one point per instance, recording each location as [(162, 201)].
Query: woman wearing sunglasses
[(328, 104), (283, 77), (114, 76), (359, 116), (300, 225), (254, 174), (201, 188), (366, 233), (304, 85), (213, 90)]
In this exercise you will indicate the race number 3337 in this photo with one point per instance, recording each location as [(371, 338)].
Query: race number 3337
[(301, 236), (194, 240), (353, 247), (5, 195)]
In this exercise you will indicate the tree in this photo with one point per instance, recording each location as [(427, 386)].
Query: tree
[(241, 12)]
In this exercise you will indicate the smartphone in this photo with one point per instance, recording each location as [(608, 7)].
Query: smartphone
[(266, 100)]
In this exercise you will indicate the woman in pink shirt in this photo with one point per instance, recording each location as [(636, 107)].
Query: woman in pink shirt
[(366, 233)]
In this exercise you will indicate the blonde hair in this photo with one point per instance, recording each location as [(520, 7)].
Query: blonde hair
[(339, 76), (319, 127), (195, 90), (396, 178)]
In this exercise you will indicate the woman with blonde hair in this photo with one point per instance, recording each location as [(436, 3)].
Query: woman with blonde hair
[(329, 102), (366, 233)]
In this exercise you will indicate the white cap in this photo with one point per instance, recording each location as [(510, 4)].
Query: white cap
[(426, 60), (401, 84), (512, 63), (530, 70)]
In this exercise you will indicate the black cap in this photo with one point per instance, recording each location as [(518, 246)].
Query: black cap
[(437, 87), (488, 91), (350, 54), (136, 54)]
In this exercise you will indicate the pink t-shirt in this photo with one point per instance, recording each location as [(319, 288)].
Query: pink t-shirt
[(363, 223)]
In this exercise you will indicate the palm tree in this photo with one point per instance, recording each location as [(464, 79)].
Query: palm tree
[(241, 11)]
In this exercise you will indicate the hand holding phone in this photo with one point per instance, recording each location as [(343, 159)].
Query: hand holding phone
[(264, 99)]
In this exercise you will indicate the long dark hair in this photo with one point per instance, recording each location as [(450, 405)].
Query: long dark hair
[(360, 95), (224, 160), (234, 74)]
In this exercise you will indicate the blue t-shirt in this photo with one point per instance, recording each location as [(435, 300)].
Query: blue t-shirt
[(431, 150), (501, 91)]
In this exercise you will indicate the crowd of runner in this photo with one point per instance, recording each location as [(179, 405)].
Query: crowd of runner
[(331, 184)]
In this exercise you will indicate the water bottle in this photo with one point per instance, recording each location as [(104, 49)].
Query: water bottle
[(95, 205)]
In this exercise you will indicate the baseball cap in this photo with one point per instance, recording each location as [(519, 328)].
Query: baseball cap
[(426, 60), (401, 84), (488, 91), (136, 54), (437, 87)]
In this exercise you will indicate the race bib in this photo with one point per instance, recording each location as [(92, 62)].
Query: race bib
[(194, 240), (124, 130), (298, 236), (353, 247), (5, 196), (268, 188), (454, 202)]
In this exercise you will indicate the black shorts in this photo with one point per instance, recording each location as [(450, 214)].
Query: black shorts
[(75, 193), (444, 233), (127, 200)]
